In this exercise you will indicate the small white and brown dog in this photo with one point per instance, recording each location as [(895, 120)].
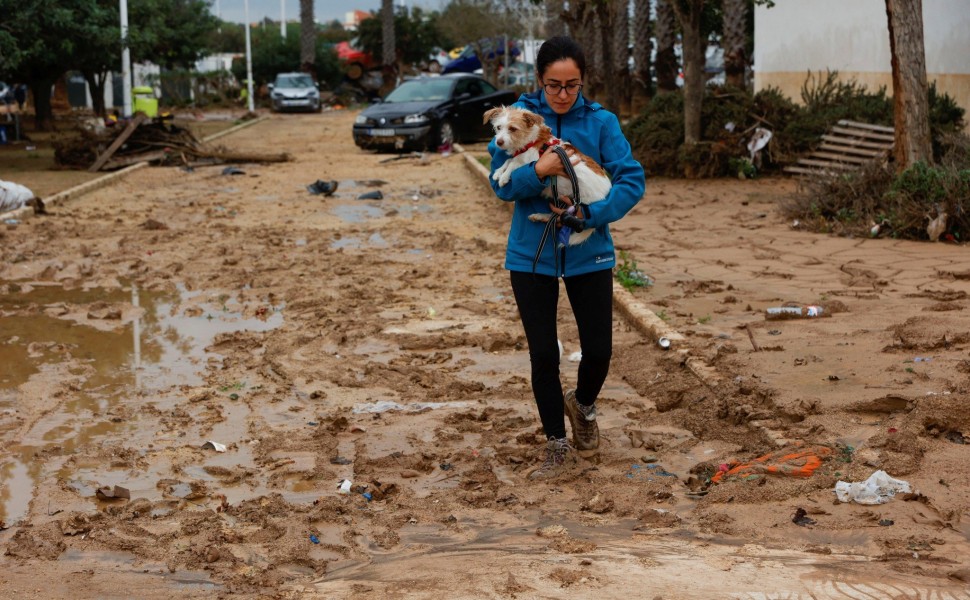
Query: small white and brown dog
[(524, 136)]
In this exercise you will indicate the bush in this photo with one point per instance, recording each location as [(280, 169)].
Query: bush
[(657, 134), (875, 201)]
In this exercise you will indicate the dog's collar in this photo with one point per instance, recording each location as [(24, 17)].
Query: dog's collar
[(542, 149)]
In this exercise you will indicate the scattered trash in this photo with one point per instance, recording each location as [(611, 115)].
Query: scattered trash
[(878, 489), (664, 343), (758, 141), (13, 196), (11, 221), (375, 195), (729, 126), (779, 313), (368, 495), (387, 405), (794, 462), (432, 312), (233, 171), (314, 539), (658, 470), (955, 436), (576, 356), (834, 378), (774, 332), (801, 518), (312, 423), (886, 522), (234, 396), (445, 466), (922, 359), (211, 445), (327, 188), (344, 487), (340, 460), (113, 493)]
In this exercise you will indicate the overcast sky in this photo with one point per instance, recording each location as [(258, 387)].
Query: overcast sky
[(324, 10)]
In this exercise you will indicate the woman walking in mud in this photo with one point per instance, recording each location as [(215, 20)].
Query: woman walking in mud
[(586, 269)]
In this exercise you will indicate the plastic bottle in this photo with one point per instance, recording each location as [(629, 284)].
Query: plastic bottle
[(780, 313)]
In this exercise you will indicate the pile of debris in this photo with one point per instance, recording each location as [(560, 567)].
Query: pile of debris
[(156, 141)]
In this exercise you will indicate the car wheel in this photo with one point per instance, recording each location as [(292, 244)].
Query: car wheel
[(355, 71), (434, 67), (446, 134)]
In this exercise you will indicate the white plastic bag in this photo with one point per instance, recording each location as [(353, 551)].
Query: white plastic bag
[(878, 489), (13, 196)]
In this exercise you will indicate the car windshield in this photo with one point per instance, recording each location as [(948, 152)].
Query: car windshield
[(421, 90), (294, 81)]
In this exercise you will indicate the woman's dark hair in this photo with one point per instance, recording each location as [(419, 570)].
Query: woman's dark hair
[(559, 48)]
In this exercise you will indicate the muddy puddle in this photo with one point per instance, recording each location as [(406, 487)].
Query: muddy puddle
[(77, 365)]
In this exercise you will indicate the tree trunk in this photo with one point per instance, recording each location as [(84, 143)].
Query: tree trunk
[(308, 39), (735, 42), (689, 16), (641, 83), (620, 56), (43, 113), (554, 24), (910, 93), (666, 33), (581, 20), (388, 57), (96, 82)]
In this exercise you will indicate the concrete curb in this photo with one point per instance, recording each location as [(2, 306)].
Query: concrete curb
[(104, 180), (636, 314)]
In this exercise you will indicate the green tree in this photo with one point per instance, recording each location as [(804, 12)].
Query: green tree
[(272, 54), (47, 33), (416, 34), (171, 33)]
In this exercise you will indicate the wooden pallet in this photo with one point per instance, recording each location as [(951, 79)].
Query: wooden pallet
[(848, 146)]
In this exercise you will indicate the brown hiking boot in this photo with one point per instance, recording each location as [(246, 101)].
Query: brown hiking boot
[(559, 456), (582, 419)]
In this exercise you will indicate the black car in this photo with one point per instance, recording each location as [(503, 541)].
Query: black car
[(427, 112)]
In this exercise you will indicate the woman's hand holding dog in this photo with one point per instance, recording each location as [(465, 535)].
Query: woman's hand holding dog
[(549, 164)]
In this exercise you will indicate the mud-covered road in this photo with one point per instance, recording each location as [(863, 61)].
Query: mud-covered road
[(322, 339)]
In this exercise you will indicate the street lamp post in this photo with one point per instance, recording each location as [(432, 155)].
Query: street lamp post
[(249, 64), (283, 19), (125, 61)]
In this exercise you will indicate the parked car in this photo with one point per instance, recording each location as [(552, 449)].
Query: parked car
[(436, 61), (294, 91), (468, 61), (521, 74), (429, 111)]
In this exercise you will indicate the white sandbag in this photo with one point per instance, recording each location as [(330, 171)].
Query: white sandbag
[(13, 196), (878, 489)]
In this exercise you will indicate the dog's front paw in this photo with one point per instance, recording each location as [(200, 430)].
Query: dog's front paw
[(540, 217), (504, 178)]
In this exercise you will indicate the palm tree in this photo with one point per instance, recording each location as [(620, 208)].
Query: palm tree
[(910, 95), (641, 53), (308, 38), (666, 33), (387, 29), (689, 15), (735, 42)]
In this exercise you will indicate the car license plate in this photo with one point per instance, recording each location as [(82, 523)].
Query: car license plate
[(382, 132)]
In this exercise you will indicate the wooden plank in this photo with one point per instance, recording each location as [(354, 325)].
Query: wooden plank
[(130, 129), (133, 160), (807, 171), (828, 165), (857, 142), (869, 135), (840, 158), (869, 126), (850, 150)]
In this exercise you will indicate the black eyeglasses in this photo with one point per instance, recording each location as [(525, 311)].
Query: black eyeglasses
[(553, 89)]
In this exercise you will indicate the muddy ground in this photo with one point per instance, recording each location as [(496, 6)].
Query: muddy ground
[(329, 338)]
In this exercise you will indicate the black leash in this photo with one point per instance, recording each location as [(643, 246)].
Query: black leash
[(565, 219)]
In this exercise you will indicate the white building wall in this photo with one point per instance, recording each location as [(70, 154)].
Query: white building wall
[(852, 37)]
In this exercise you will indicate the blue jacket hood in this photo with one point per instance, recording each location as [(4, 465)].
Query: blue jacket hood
[(596, 132)]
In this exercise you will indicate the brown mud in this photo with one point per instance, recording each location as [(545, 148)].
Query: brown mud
[(330, 338)]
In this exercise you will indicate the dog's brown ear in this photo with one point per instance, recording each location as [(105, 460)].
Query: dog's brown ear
[(490, 114), (532, 119)]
